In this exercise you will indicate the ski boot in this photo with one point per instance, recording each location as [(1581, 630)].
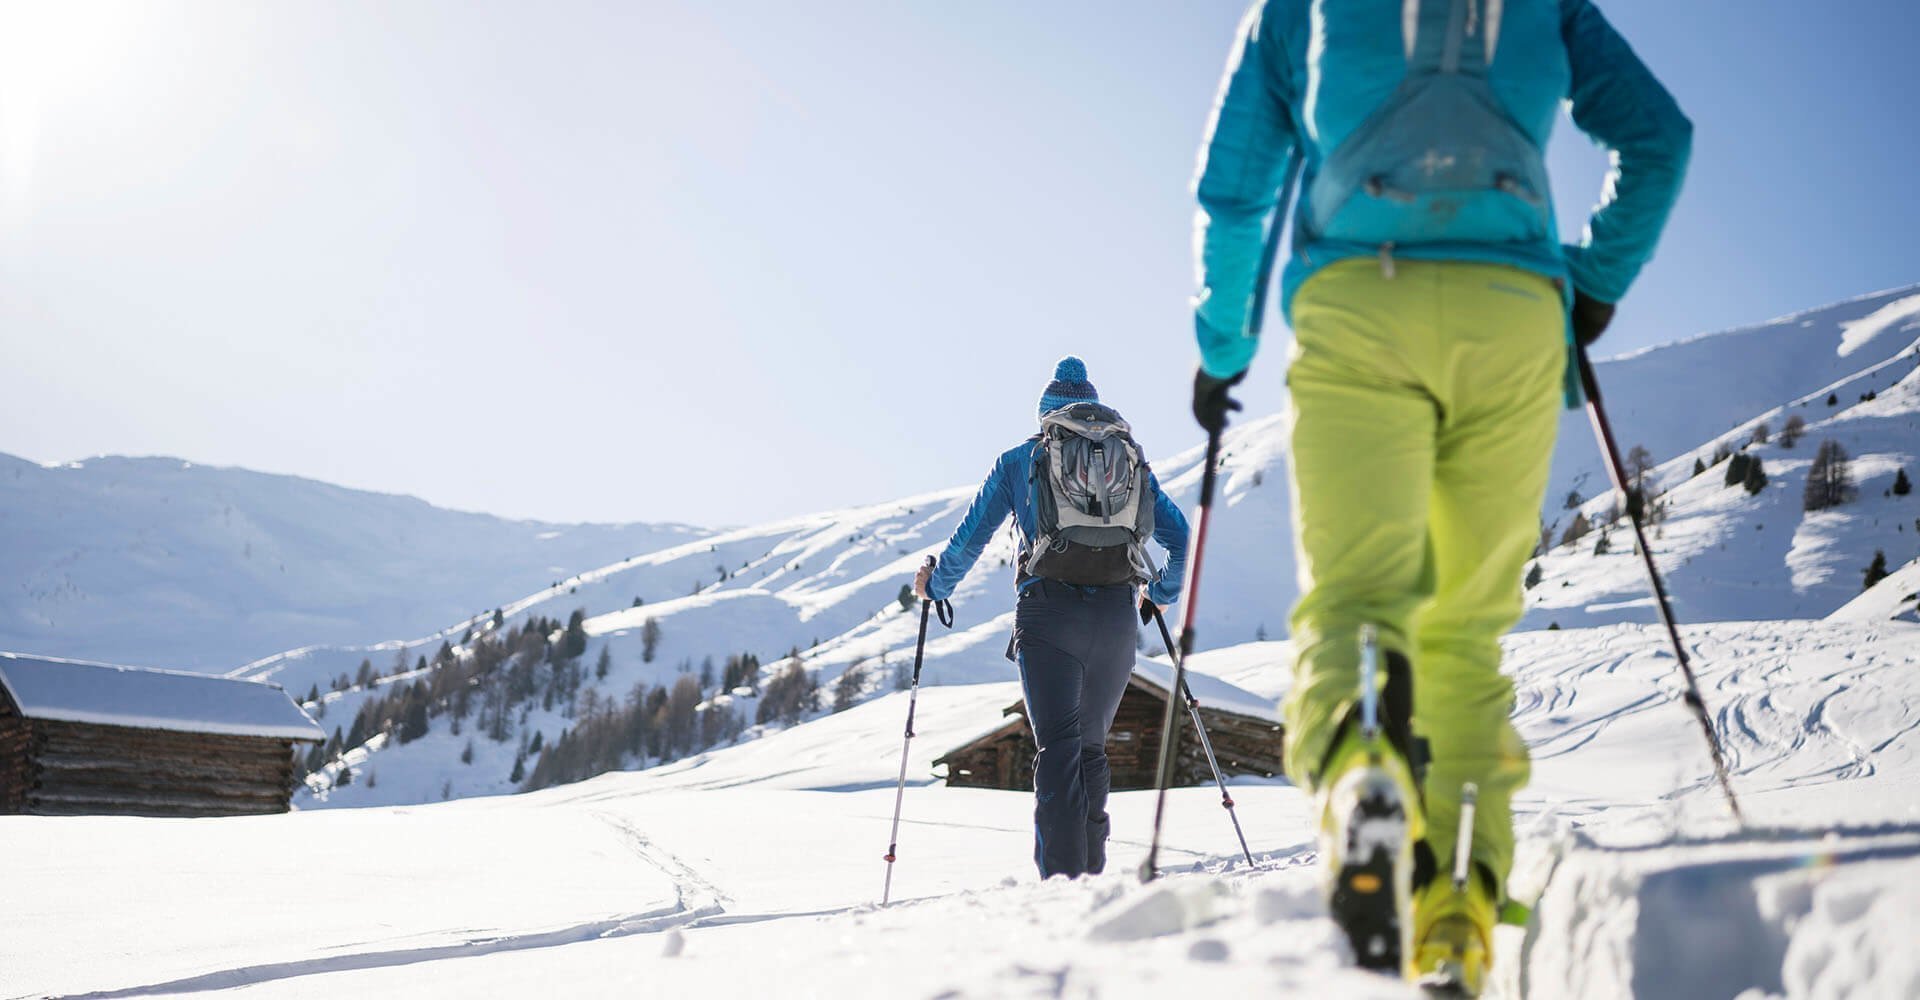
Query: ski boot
[(1453, 920), (1370, 818)]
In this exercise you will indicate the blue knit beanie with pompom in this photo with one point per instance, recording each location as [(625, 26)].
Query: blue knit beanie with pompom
[(1069, 386)]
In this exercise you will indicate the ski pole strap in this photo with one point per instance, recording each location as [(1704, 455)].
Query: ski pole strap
[(945, 610)]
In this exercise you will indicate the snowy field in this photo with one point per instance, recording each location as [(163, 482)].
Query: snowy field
[(755, 870)]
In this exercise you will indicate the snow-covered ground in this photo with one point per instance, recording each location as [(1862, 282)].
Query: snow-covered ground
[(754, 870)]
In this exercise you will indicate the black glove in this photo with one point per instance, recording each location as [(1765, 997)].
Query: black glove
[(1211, 404), (1590, 317), (1146, 611)]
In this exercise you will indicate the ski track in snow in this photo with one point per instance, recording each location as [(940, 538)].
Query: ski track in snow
[(696, 902)]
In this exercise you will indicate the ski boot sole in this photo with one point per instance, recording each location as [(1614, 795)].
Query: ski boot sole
[(1369, 890)]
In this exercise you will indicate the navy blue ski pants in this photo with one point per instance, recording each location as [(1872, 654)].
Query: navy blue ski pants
[(1075, 648)]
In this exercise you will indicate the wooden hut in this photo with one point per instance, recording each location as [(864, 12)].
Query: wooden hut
[(89, 738), (1244, 728)]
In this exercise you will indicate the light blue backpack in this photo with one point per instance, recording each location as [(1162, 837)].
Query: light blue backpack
[(1439, 160)]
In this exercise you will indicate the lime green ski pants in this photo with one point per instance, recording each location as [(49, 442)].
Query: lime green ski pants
[(1425, 398)]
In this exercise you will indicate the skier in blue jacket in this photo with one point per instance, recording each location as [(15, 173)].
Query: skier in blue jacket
[(1074, 644)]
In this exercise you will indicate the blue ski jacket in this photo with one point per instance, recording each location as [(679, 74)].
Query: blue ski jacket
[(1009, 489), (1264, 121)]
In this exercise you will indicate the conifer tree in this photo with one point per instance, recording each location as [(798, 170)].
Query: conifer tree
[(603, 664), (466, 755), (847, 689), (1901, 486), (1790, 434), (1699, 466), (1639, 463), (413, 724), (905, 597), (1737, 468), (1534, 576), (1756, 477), (574, 643), (649, 640), (1829, 479), (1576, 529), (1876, 570), (681, 703)]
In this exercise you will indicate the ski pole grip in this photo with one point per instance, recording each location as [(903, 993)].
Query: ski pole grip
[(1589, 382)]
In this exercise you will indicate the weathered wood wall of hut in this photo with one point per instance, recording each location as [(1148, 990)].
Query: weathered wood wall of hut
[(83, 769), (14, 735), (1243, 745), (1002, 759)]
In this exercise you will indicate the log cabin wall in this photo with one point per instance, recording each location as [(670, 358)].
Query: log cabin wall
[(73, 768), (1243, 744), (15, 733)]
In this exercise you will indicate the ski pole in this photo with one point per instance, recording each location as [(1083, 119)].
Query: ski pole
[(913, 701), (1200, 727), (1603, 430), (1170, 723)]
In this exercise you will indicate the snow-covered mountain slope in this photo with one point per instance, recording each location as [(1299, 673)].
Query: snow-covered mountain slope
[(163, 563), (753, 870), (1678, 398), (1728, 554), (826, 584)]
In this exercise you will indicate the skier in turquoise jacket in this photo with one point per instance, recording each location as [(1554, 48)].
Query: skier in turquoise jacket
[(1433, 309), (1074, 644)]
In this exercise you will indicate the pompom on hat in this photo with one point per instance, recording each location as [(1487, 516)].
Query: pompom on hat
[(1069, 386)]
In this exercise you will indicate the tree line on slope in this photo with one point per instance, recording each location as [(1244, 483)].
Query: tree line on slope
[(491, 683)]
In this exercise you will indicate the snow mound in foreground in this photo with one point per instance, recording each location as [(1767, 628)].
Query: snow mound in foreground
[(1763, 914)]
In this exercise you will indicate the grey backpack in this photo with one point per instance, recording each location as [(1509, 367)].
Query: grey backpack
[(1092, 502)]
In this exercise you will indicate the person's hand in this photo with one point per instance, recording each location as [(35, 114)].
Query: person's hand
[(1147, 607), (920, 579), (1211, 404), (1590, 317)]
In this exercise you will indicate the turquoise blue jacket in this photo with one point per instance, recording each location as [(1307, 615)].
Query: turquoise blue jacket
[(1264, 125), (1009, 489)]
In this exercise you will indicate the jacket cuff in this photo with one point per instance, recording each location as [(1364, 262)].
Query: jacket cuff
[(1223, 355)]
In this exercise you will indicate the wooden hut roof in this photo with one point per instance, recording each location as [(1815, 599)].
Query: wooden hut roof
[(1210, 691), (1213, 694), (104, 694)]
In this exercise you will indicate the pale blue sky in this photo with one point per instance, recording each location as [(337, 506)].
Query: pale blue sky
[(722, 262)]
